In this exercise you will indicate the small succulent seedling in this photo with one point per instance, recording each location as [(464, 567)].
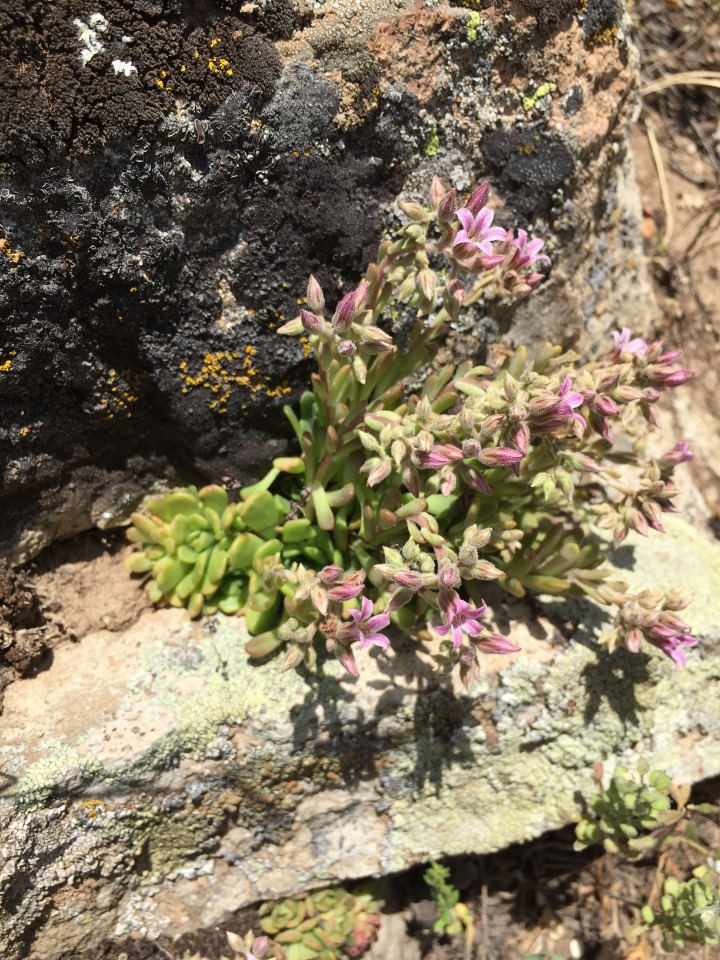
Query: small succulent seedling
[(454, 916), (645, 813), (325, 925), (689, 911), (404, 500), (624, 816)]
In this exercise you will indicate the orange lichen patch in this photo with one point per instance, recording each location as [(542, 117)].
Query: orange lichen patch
[(7, 364), (408, 50), (8, 251), (222, 372), (307, 349)]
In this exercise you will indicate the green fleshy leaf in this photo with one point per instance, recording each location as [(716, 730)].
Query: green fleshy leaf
[(243, 549), (145, 530), (215, 497), (323, 511), (171, 504), (168, 573), (296, 531), (262, 644), (217, 564), (187, 554), (258, 621), (260, 512), (264, 484), (293, 465), (138, 563)]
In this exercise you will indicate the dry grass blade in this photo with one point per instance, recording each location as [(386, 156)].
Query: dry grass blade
[(662, 181), (688, 78)]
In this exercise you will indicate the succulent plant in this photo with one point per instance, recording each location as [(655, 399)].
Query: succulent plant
[(689, 911), (623, 816), (208, 554), (324, 925)]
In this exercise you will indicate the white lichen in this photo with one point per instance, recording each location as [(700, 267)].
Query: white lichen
[(88, 34), (124, 66)]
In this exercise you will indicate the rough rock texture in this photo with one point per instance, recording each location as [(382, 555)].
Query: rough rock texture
[(153, 779), (170, 172)]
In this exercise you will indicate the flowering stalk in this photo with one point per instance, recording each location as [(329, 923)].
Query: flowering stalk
[(404, 501)]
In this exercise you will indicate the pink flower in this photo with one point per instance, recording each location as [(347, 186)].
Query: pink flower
[(477, 235), (526, 251), (672, 645), (366, 627), (623, 343), (461, 616), (680, 453)]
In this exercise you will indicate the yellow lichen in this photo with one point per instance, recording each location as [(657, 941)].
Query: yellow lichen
[(222, 372), (8, 251)]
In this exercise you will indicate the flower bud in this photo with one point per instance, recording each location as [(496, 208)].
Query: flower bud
[(478, 199), (496, 644), (447, 207), (409, 579), (379, 473), (315, 296), (331, 573), (414, 211), (359, 369), (437, 192), (427, 281), (346, 348), (499, 456), (450, 577), (345, 312), (310, 322), (361, 295)]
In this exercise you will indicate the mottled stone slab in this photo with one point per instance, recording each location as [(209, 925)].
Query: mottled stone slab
[(154, 779)]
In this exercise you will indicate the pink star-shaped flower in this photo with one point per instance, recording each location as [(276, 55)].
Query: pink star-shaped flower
[(366, 627), (461, 617)]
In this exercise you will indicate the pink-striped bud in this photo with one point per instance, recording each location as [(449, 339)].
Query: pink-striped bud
[(361, 295), (310, 322), (471, 447), (315, 296), (409, 579), (633, 640), (450, 577), (437, 192), (499, 456), (345, 312), (379, 473), (496, 644), (347, 659), (606, 406), (478, 198), (447, 207), (439, 456), (330, 574), (346, 348)]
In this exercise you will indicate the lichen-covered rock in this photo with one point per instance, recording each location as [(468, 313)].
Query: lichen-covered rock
[(154, 779), (170, 173)]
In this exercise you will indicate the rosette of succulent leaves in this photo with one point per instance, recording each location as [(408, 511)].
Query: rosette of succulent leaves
[(402, 502)]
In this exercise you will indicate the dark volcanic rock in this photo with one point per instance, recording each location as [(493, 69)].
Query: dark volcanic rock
[(170, 172)]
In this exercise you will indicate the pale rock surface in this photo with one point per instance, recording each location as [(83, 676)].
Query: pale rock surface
[(155, 780)]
